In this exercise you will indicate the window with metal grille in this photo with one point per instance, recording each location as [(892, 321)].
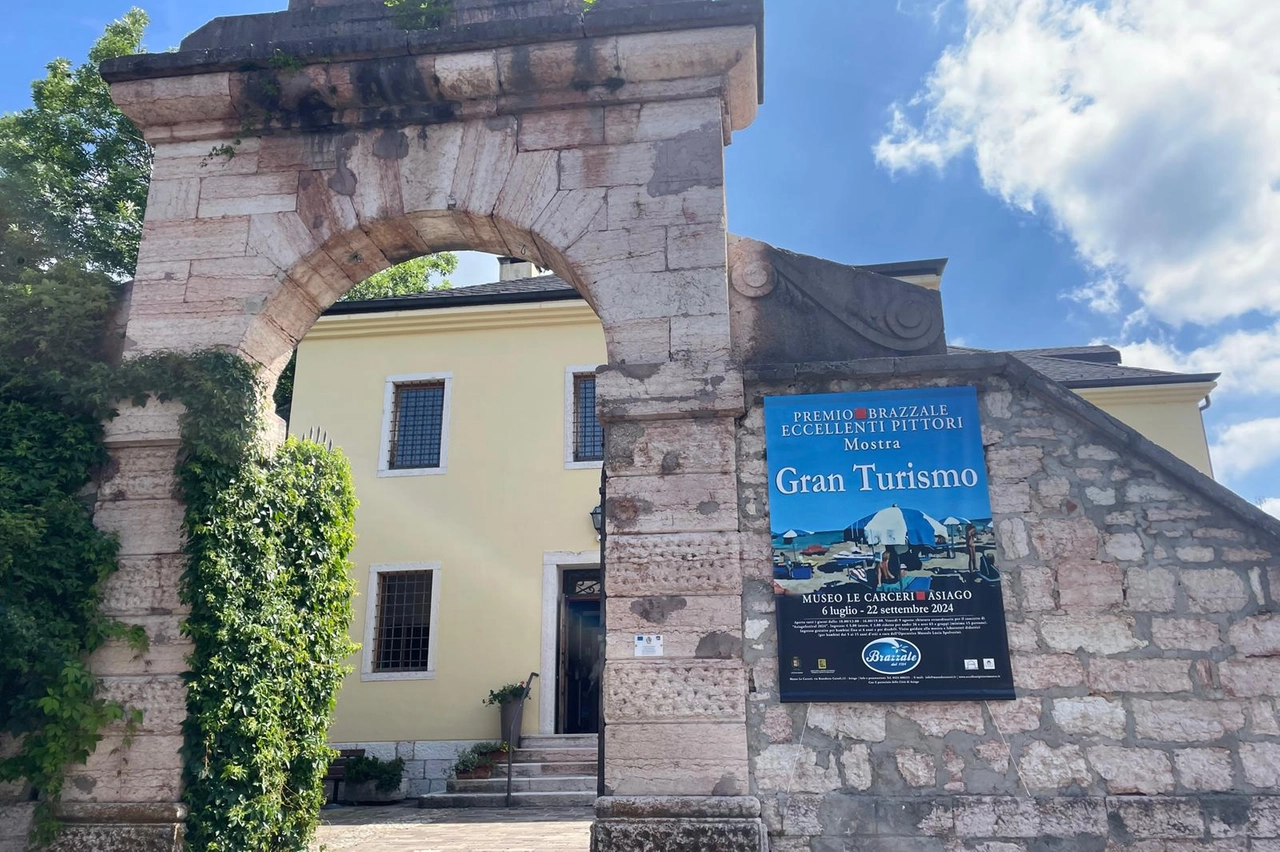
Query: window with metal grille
[(588, 434), (417, 425), (402, 633)]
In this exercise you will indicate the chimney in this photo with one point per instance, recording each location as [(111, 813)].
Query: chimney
[(512, 268)]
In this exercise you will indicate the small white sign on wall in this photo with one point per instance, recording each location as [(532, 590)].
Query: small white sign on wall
[(649, 645)]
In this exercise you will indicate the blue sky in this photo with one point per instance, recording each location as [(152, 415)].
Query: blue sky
[(808, 434), (1096, 170)]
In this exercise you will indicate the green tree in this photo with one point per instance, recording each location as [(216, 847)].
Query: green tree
[(73, 169), (405, 279), (414, 276)]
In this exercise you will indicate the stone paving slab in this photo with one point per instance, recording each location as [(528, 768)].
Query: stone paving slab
[(406, 828)]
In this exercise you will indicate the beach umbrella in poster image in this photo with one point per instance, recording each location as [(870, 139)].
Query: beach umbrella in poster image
[(954, 525), (898, 525)]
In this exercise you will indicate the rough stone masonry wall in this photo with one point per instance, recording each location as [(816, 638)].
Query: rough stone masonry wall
[(1146, 657)]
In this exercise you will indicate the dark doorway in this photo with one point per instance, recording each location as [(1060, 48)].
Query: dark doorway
[(581, 655)]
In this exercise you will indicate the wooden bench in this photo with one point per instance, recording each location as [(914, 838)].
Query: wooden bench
[(338, 770)]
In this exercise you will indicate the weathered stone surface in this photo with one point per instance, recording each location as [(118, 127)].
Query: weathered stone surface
[(1042, 767), (1089, 585), (193, 240), (1055, 538), (156, 423), (1125, 547), (1090, 716), (1256, 637), (684, 621), (140, 472), (1214, 590), (797, 768), (1186, 721), (678, 835), (1014, 463), (864, 722), (916, 768), (145, 527), (695, 502), (1250, 678), (1139, 675), (1194, 553), (941, 718), (1261, 764), (1150, 589), (682, 759), (661, 690), (1205, 769), (161, 698), (152, 762), (1190, 634), (76, 837), (1011, 533), (1096, 633), (672, 446), (1037, 588), (1017, 716), (1046, 671), (682, 564), (1132, 770)]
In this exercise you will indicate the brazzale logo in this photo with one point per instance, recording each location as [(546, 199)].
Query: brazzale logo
[(891, 656)]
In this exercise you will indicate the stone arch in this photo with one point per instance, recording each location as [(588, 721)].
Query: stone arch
[(591, 146)]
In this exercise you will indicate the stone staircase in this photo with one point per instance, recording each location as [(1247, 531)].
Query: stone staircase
[(548, 771)]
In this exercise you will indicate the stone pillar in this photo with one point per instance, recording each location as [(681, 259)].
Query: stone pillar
[(138, 785), (675, 737)]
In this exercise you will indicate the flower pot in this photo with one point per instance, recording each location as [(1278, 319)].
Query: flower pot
[(367, 793), (476, 774), (510, 712)]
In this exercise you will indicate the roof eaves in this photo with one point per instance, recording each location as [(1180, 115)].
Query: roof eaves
[(411, 303), (1138, 381)]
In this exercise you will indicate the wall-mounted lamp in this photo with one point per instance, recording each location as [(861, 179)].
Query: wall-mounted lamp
[(597, 518)]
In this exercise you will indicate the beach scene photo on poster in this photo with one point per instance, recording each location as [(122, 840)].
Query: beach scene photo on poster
[(882, 491)]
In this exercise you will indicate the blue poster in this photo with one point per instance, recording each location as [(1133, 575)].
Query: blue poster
[(884, 555)]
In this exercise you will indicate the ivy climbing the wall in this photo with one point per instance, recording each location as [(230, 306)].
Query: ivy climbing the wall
[(55, 389), (269, 586), (267, 533)]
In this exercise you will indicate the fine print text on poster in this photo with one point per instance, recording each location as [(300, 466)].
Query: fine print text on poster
[(884, 557)]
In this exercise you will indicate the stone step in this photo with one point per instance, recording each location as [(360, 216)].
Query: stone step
[(499, 800), (531, 784), (555, 755), (567, 767), (560, 741)]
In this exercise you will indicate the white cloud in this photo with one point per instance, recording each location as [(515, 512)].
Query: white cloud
[(1102, 295), (1248, 360), (1270, 505), (1148, 129), (1246, 447)]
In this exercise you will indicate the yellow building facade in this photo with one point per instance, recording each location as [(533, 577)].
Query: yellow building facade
[(488, 528)]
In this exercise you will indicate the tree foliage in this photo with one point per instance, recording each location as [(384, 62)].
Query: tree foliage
[(73, 169), (414, 276), (55, 389)]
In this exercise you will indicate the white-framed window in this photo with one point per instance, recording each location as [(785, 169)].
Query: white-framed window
[(583, 434), (415, 425), (401, 616)]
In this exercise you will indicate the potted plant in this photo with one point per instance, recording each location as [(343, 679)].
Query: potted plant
[(370, 780), (495, 752), (471, 765), (508, 700)]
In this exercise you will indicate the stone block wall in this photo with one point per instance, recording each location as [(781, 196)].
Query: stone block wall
[(1140, 600), (426, 762)]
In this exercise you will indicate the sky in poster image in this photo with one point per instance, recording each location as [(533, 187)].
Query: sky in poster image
[(1096, 171)]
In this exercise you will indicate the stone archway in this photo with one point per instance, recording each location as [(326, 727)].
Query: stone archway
[(590, 144)]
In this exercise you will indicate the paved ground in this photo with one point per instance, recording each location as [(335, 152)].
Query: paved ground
[(405, 828)]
